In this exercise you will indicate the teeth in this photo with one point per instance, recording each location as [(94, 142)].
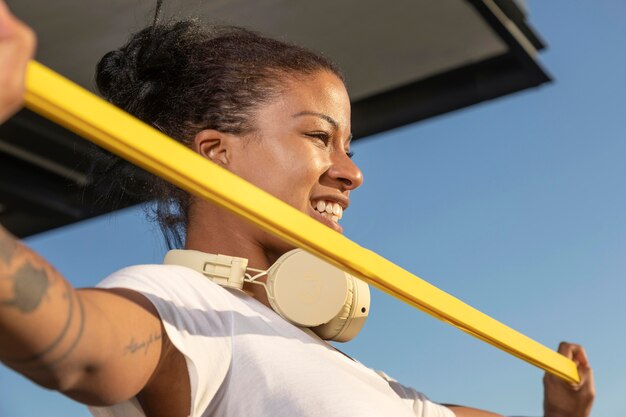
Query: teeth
[(329, 209)]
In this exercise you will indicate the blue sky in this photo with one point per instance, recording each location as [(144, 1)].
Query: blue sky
[(516, 206)]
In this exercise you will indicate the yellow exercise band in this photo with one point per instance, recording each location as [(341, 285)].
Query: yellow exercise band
[(80, 111)]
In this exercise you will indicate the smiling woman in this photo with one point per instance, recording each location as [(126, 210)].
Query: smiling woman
[(298, 152), (172, 340), (230, 75)]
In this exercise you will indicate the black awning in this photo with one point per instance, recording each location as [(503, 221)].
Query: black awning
[(404, 61)]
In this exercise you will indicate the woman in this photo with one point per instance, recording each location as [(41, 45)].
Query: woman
[(161, 340)]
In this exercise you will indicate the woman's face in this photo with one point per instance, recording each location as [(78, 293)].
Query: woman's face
[(299, 151)]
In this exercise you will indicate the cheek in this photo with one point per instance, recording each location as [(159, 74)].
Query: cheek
[(288, 173), (293, 180)]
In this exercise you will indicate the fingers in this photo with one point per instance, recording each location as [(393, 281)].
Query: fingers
[(17, 45), (578, 354), (586, 377), (575, 352)]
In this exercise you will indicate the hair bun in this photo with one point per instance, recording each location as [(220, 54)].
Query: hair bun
[(144, 66), (110, 70)]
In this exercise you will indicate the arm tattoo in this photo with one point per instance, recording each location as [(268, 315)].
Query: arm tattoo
[(57, 341), (77, 338), (29, 283), (133, 346), (29, 287), (35, 361)]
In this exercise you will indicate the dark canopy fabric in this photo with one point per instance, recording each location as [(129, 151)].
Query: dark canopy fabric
[(404, 61)]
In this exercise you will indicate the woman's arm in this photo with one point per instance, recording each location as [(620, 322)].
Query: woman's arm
[(17, 45), (98, 347)]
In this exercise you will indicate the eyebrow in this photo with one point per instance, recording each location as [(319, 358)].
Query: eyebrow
[(329, 119), (320, 115)]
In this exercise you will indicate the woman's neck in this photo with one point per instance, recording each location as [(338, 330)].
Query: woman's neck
[(213, 229)]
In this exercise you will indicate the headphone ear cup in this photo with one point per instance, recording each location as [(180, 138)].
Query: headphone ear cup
[(330, 330), (348, 323), (305, 290)]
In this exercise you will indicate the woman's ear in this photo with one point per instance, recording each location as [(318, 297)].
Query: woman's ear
[(214, 145)]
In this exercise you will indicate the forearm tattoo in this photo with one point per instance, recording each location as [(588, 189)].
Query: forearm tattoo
[(25, 282)]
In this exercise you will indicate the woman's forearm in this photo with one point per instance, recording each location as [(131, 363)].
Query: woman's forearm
[(41, 316), (76, 342)]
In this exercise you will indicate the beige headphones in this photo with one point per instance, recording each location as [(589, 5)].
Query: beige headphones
[(301, 288)]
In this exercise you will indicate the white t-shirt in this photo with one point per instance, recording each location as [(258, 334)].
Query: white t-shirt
[(245, 360)]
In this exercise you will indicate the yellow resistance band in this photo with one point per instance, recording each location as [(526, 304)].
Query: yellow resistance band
[(80, 111)]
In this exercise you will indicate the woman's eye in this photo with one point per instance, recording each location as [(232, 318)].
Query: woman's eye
[(323, 137), (350, 154)]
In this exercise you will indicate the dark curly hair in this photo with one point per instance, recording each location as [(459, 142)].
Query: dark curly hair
[(183, 77)]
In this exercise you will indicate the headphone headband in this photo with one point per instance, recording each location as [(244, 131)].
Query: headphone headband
[(226, 271)]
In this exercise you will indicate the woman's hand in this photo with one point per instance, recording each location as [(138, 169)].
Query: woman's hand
[(562, 399), (17, 45)]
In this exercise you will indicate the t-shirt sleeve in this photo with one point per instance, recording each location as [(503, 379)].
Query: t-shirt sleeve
[(418, 402), (197, 317)]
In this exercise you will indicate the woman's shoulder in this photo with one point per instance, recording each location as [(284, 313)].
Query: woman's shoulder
[(150, 271), (172, 282), (152, 274), (197, 316)]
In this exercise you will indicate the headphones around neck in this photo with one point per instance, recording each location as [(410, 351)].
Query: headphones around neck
[(300, 287)]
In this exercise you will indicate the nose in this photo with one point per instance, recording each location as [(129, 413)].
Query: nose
[(343, 172)]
